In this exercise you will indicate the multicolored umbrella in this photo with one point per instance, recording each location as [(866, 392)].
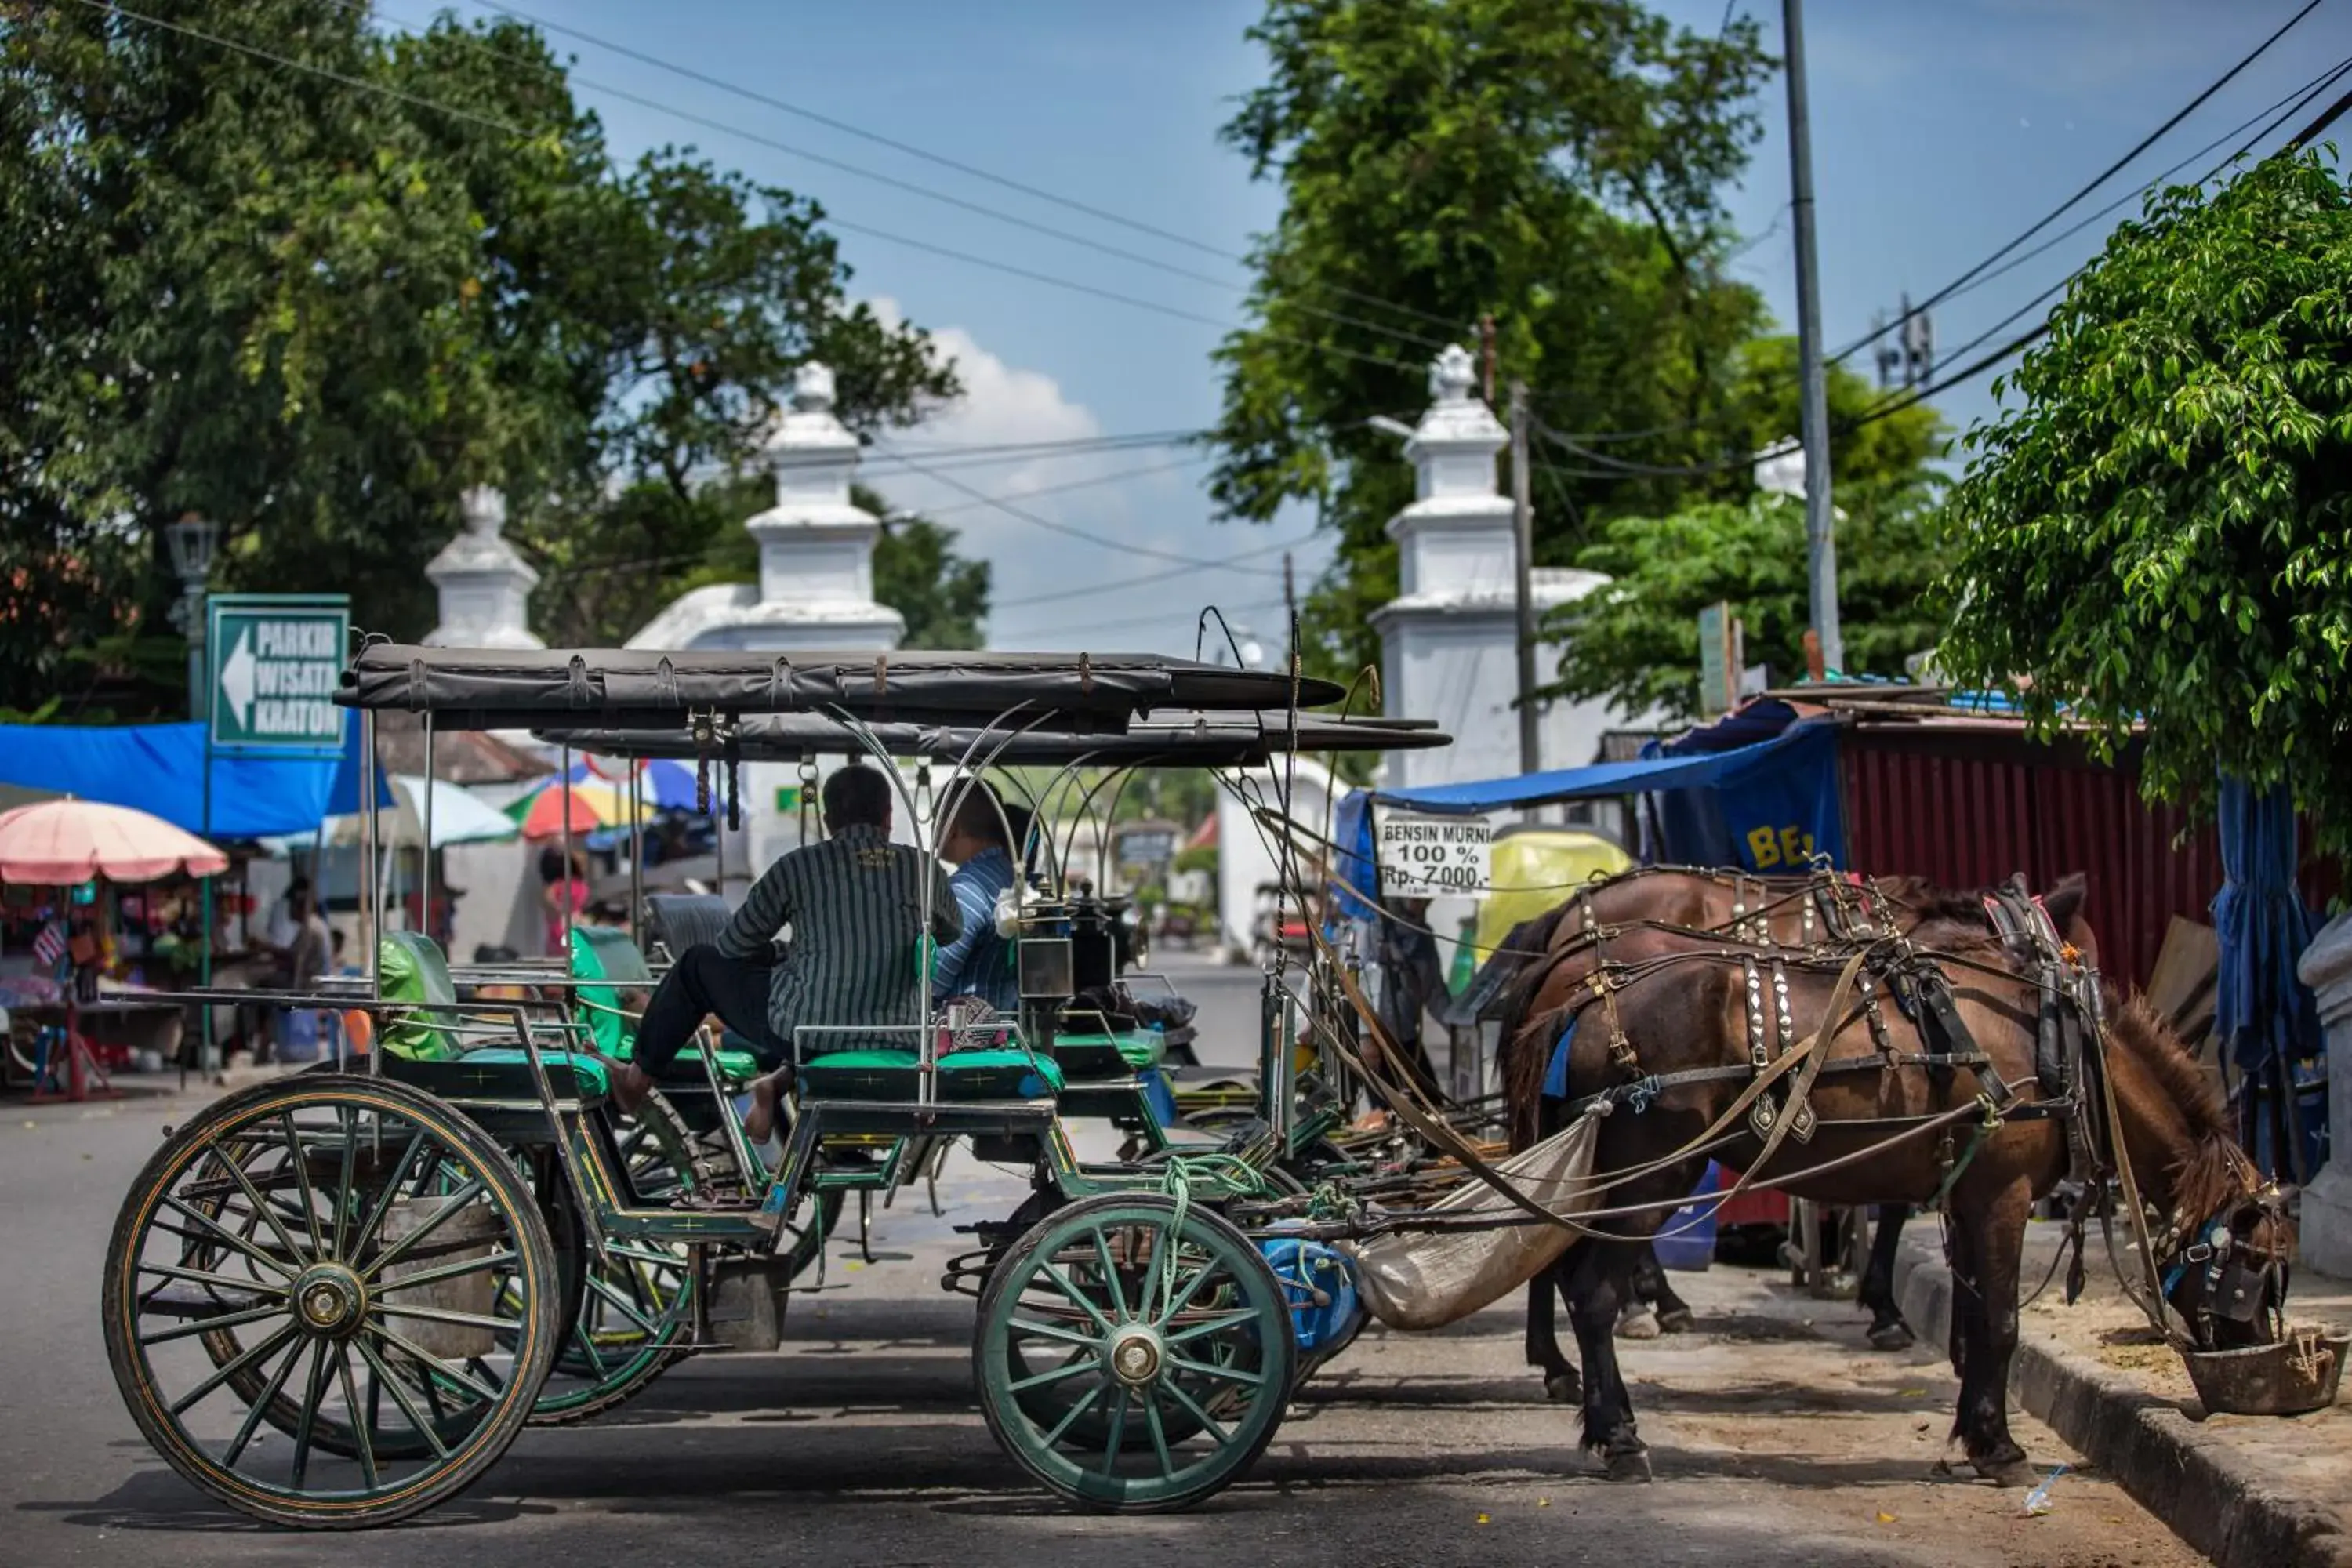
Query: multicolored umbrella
[(593, 805), (662, 782)]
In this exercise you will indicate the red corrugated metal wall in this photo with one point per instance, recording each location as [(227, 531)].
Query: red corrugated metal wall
[(1967, 809)]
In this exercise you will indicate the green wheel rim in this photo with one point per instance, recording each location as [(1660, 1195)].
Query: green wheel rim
[(1095, 1328), (343, 1237)]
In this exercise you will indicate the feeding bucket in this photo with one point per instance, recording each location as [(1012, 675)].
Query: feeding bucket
[(2298, 1373), (467, 1233)]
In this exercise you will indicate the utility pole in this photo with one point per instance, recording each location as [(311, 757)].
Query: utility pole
[(1814, 412), (1522, 555), (1289, 595), (1486, 354)]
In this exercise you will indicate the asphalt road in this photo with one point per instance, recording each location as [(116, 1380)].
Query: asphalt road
[(1778, 1439)]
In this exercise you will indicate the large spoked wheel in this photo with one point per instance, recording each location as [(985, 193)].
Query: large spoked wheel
[(1132, 1359), (637, 1303), (302, 1304)]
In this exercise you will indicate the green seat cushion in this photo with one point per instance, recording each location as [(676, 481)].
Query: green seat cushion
[(503, 1072), (1121, 1054), (602, 953), (414, 969), (880, 1073)]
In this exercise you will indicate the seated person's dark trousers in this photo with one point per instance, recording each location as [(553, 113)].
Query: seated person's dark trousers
[(705, 981)]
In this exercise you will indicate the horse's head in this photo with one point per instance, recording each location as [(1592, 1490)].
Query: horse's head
[(2227, 1274), (2223, 1238)]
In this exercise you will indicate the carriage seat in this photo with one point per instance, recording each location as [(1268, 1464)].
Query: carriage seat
[(1096, 1056), (419, 1048), (884, 1073), (602, 953)]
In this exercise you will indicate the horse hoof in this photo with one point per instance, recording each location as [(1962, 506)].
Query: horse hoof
[(1565, 1388), (1895, 1336), (1638, 1324), (1634, 1465), (2005, 1467), (1678, 1321)]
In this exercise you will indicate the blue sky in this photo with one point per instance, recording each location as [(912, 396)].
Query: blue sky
[(1941, 129)]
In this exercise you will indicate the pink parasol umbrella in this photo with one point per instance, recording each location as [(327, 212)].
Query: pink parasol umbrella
[(63, 843)]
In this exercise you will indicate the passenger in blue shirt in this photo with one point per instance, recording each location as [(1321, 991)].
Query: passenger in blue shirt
[(978, 963)]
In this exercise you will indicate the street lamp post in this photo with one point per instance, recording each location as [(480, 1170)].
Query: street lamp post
[(192, 541)]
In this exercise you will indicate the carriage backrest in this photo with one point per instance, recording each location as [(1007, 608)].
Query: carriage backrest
[(603, 953), (416, 970), (680, 920)]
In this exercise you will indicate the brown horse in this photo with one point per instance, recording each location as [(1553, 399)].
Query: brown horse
[(1899, 1117), (1788, 910)]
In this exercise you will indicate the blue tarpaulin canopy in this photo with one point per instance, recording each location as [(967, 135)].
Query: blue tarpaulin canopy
[(1769, 806), (160, 769)]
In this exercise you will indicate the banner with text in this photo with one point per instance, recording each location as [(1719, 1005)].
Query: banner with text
[(1432, 856)]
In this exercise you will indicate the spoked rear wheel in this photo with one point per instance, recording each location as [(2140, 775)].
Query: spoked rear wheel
[(1118, 1317), (301, 1303), (636, 1303)]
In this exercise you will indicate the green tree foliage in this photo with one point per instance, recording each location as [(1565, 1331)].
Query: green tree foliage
[(2158, 531), (316, 312), (943, 596), (1636, 639), (1557, 163)]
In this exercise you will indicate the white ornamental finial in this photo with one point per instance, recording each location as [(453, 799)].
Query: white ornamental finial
[(1780, 470), (812, 387), (1451, 374), (484, 509)]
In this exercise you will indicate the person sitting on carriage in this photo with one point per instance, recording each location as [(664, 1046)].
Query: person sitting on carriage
[(978, 962), (855, 905)]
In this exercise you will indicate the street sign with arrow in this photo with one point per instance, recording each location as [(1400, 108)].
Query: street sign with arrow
[(276, 659)]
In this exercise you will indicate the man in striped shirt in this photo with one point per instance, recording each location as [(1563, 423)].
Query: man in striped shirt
[(855, 905)]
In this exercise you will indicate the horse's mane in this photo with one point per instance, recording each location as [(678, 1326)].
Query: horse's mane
[(2212, 1172)]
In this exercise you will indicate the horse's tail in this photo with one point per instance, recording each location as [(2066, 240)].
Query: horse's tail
[(1521, 1089)]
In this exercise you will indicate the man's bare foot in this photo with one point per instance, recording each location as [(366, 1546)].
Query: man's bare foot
[(760, 1121), (631, 1084)]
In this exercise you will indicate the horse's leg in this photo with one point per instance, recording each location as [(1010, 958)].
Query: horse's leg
[(1995, 1224), (1635, 1318), (1562, 1383), (1600, 1281), (1653, 1286), (1889, 1331)]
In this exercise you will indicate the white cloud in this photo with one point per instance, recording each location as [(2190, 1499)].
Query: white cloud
[(1165, 510)]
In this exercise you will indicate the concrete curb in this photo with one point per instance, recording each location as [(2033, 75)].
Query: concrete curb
[(2211, 1496)]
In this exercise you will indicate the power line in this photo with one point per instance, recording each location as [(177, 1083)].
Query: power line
[(508, 128), (1099, 479), (958, 165), (2290, 103), (1113, 295), (857, 171), (1230, 564), (2305, 135), (1010, 510), (2112, 169), (1071, 443)]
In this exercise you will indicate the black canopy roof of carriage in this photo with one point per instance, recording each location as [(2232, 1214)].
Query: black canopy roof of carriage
[(1158, 739), (482, 689)]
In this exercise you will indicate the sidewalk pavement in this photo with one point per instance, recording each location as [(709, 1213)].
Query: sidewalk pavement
[(2248, 1491)]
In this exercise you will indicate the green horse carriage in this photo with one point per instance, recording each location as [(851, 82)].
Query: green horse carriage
[(333, 1300)]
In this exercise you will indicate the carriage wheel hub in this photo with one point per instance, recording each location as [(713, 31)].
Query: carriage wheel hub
[(330, 1299), (1136, 1355)]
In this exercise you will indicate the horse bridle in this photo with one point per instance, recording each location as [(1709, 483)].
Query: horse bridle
[(2237, 1277)]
